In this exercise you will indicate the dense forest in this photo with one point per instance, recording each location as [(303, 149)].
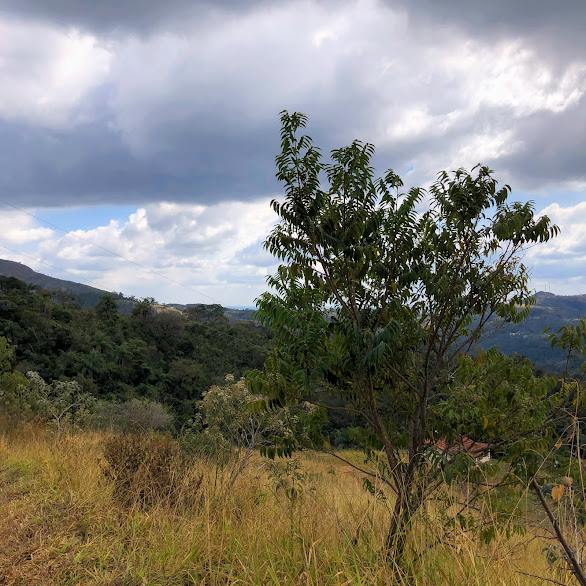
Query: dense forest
[(525, 338), (155, 353)]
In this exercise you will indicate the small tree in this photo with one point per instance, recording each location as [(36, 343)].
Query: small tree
[(14, 399), (381, 291), (232, 422), (62, 403)]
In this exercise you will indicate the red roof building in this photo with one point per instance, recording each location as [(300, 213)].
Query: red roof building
[(478, 450)]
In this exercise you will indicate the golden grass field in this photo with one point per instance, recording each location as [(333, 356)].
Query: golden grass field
[(61, 522)]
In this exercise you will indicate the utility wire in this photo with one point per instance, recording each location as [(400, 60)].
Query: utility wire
[(52, 266), (67, 232), (208, 326)]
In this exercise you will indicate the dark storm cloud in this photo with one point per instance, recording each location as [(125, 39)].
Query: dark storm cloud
[(539, 150), (554, 144), (554, 149), (194, 117), (90, 165), (477, 14), (111, 16), (557, 28)]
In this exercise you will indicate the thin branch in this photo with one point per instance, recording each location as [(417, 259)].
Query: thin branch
[(372, 474), (540, 577), (575, 566)]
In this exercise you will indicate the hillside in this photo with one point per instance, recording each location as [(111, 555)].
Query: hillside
[(156, 353), (231, 314), (87, 296), (525, 338)]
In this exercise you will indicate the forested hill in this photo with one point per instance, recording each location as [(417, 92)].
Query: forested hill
[(162, 355), (88, 296), (527, 338), (85, 295)]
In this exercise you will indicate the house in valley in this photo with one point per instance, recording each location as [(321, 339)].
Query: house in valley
[(478, 450)]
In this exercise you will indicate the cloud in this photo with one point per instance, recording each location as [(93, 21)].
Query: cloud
[(158, 113), (561, 262), (16, 228), (111, 17), (142, 102), (203, 251), (214, 253), (556, 29), (45, 73)]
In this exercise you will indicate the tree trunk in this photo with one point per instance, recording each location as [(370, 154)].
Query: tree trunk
[(400, 519), (397, 535), (407, 503)]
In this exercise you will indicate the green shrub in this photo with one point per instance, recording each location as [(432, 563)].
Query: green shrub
[(134, 415)]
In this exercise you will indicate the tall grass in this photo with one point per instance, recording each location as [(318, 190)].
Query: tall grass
[(66, 518)]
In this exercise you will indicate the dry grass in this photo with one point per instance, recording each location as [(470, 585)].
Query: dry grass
[(62, 521)]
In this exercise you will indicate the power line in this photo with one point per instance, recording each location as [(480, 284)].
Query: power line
[(67, 232), (52, 266), (209, 327)]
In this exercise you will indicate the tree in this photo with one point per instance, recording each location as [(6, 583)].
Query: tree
[(204, 314), (380, 292), (63, 403), (13, 384), (144, 309), (107, 310)]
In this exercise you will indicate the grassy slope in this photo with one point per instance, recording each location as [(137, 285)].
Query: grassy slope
[(60, 523)]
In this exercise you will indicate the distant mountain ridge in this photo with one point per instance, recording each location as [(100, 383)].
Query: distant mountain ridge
[(88, 296), (526, 338)]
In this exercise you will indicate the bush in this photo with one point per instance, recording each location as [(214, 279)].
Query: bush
[(134, 415), (63, 404), (342, 438), (145, 470)]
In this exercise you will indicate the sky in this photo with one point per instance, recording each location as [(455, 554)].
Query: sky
[(147, 130)]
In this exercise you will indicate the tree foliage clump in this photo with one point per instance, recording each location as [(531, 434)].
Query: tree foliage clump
[(13, 384), (156, 354), (233, 423), (380, 292)]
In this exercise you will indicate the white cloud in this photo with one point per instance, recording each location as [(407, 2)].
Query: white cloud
[(560, 264), (485, 147), (511, 75), (17, 228), (45, 72), (206, 248), (446, 104), (216, 251), (571, 242)]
